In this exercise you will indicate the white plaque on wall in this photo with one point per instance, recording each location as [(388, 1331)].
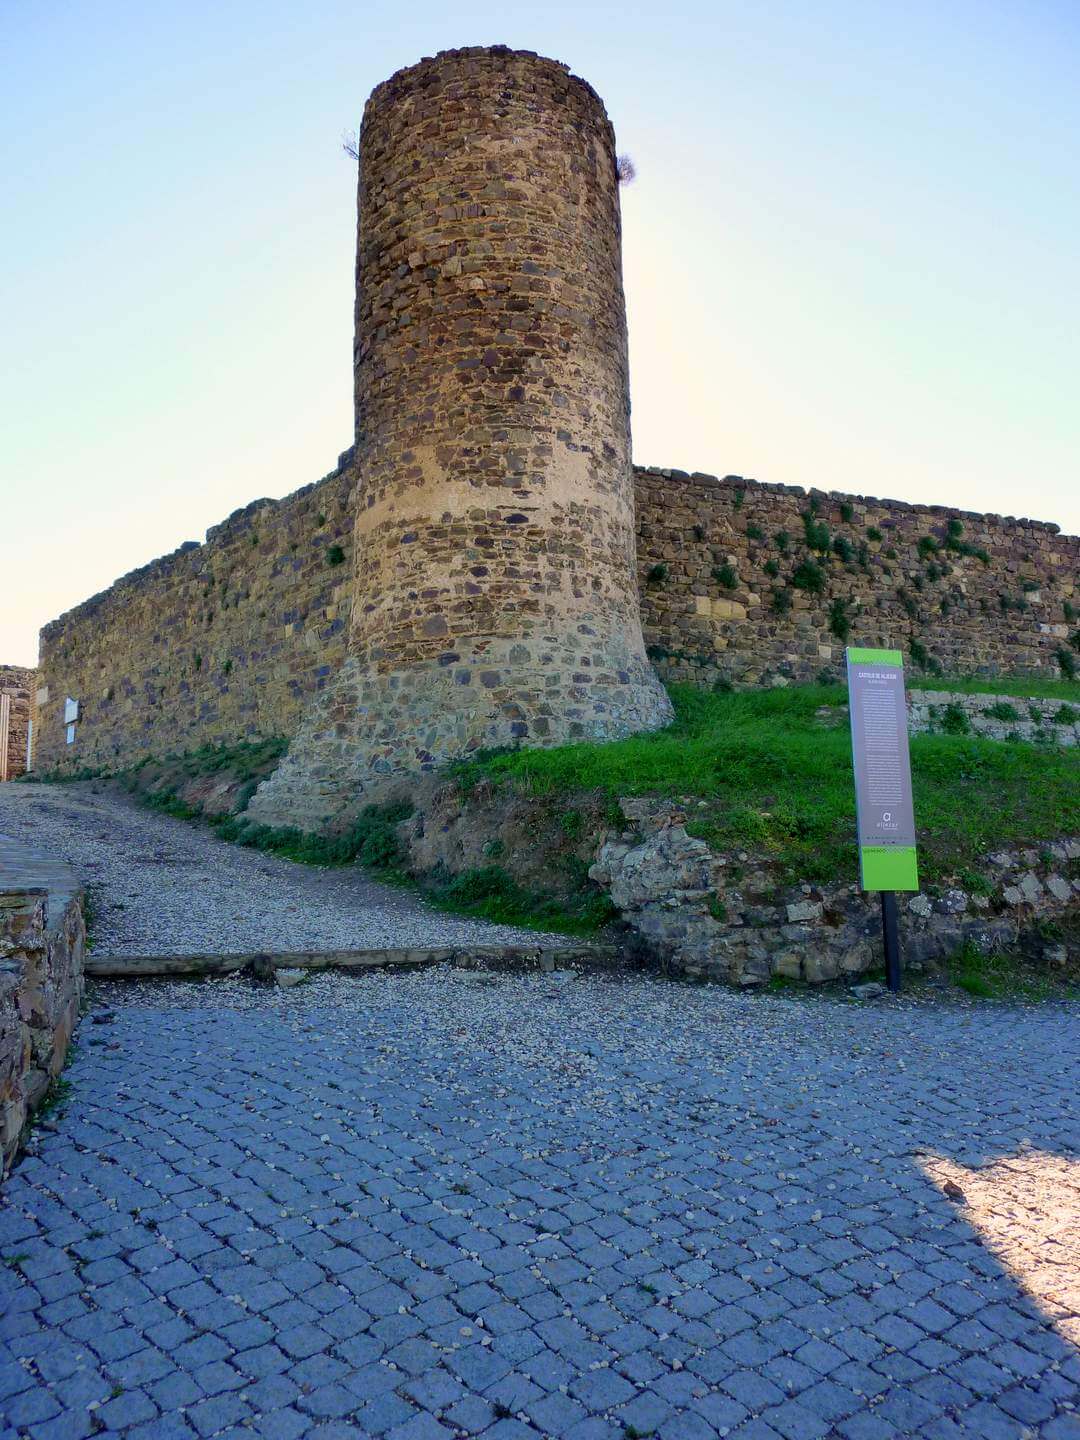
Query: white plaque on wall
[(71, 711)]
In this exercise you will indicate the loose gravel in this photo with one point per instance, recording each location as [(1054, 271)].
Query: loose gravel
[(160, 886)]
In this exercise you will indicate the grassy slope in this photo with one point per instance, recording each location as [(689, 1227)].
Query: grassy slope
[(1066, 690), (775, 778)]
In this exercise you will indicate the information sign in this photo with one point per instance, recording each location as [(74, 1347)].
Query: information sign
[(879, 743)]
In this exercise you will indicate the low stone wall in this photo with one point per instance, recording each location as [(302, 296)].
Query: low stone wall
[(997, 717), (725, 917), (42, 943)]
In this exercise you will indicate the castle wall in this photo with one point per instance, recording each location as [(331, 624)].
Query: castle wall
[(215, 643), (973, 594), (262, 594)]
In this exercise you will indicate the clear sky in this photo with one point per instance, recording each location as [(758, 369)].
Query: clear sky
[(851, 252)]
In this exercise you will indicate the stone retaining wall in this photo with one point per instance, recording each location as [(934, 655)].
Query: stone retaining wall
[(725, 917), (42, 941), (998, 717), (227, 640)]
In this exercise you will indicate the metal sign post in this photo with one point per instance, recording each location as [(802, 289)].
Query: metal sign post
[(883, 804)]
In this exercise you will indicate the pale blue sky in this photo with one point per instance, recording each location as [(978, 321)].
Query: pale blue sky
[(851, 252)]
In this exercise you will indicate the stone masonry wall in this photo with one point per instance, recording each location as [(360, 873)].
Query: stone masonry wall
[(997, 717), (18, 684), (41, 988), (215, 643), (495, 585), (726, 917), (265, 612), (750, 583)]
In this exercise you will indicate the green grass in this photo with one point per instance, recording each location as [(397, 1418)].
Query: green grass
[(372, 839), (491, 893), (777, 780), (979, 685), (1004, 976), (53, 1101)]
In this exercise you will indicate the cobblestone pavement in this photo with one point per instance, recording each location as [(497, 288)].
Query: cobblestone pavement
[(165, 887), (454, 1204)]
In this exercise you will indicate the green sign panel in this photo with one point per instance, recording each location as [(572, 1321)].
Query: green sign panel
[(879, 744)]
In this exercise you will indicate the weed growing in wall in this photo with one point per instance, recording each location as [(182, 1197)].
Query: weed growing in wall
[(839, 622), (810, 576), (816, 532), (955, 542), (954, 719), (922, 658), (656, 574), (725, 575)]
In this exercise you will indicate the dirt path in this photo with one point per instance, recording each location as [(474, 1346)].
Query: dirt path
[(165, 887)]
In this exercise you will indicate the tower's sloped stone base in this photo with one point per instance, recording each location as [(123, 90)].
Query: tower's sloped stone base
[(368, 727)]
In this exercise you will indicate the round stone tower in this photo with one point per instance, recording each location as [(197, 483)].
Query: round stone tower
[(495, 592)]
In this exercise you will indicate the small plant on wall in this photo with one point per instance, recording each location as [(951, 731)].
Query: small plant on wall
[(726, 576), (839, 621), (335, 555), (808, 575), (781, 602), (656, 574), (817, 533), (921, 657)]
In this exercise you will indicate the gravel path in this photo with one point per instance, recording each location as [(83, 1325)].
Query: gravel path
[(451, 1204), (165, 887)]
